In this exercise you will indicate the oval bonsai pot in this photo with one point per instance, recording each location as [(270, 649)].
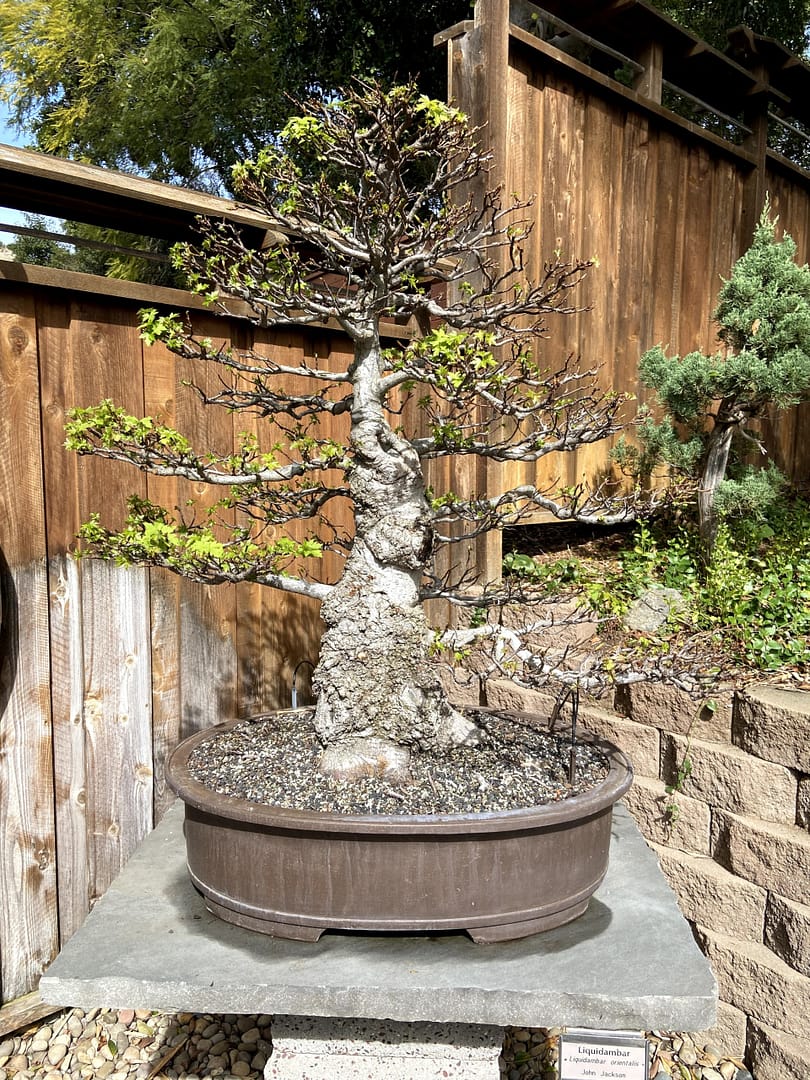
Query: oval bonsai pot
[(295, 873)]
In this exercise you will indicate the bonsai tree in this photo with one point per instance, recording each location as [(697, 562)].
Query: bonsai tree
[(383, 197), (763, 313)]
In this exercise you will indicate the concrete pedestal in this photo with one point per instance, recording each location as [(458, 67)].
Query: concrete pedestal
[(629, 963), (306, 1048)]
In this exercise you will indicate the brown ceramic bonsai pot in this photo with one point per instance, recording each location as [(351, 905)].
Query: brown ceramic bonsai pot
[(295, 873)]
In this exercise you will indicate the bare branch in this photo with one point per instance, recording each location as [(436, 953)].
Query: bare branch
[(214, 574), (695, 665), (252, 363), (187, 467)]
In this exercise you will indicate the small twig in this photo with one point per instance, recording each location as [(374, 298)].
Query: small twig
[(394, 795), (167, 1057)]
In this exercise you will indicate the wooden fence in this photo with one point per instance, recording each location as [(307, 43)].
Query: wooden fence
[(103, 669), (664, 205)]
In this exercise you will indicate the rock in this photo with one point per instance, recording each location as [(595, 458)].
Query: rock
[(803, 803), (730, 1031), (748, 847), (652, 609), (756, 981), (689, 829), (776, 1055), (56, 1052), (665, 706), (712, 897)]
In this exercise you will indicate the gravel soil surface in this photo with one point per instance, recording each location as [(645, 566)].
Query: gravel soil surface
[(274, 761), (126, 1043)]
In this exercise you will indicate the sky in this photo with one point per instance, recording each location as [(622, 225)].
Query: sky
[(9, 135)]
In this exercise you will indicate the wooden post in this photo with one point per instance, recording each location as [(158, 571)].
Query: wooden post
[(756, 118), (754, 192), (650, 83), (478, 72)]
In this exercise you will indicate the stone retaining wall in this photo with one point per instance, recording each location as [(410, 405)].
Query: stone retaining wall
[(733, 842)]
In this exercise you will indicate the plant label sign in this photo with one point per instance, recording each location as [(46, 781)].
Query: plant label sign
[(603, 1055)]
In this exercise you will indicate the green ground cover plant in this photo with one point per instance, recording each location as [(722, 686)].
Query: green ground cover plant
[(753, 598)]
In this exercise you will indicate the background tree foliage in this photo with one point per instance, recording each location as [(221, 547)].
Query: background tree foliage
[(183, 89), (785, 20)]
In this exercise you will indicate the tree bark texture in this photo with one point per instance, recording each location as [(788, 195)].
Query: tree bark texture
[(714, 471), (376, 645)]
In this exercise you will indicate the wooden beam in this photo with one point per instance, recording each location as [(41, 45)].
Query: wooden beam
[(24, 1011), (80, 241), (576, 67), (42, 183), (754, 190), (454, 31), (178, 299)]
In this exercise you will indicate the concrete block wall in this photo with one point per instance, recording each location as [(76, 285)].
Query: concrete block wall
[(736, 848)]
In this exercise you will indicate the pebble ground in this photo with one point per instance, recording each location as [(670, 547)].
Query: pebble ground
[(129, 1044)]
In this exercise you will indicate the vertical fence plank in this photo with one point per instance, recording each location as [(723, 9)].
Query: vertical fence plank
[(785, 431), (699, 284), (635, 255), (166, 688), (28, 905), (160, 388), (116, 716), (207, 612), (106, 360), (65, 604), (254, 646), (604, 174), (563, 215), (276, 630)]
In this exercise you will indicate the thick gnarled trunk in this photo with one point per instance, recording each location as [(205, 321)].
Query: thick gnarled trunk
[(378, 693)]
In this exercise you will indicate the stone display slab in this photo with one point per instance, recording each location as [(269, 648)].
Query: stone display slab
[(629, 962)]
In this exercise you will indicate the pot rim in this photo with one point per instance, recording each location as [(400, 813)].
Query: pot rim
[(573, 809)]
